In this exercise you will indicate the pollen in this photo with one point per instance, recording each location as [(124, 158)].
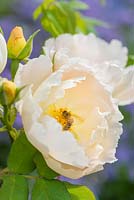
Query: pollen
[(62, 115)]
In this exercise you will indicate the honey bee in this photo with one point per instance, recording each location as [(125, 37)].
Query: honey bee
[(68, 120)]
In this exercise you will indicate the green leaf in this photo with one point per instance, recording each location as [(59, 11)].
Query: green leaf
[(130, 60), (14, 67), (95, 22), (50, 190), (51, 17), (81, 25), (127, 115), (103, 2), (49, 27), (58, 17), (26, 52), (37, 12), (79, 192), (78, 5), (70, 14), (44, 6), (14, 188), (3, 129), (47, 3), (54, 16), (42, 167), (20, 158), (4, 151)]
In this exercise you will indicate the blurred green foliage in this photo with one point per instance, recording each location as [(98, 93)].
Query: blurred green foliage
[(121, 188), (5, 7), (126, 114), (130, 60), (4, 151), (58, 17)]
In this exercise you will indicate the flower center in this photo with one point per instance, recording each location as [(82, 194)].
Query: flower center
[(62, 115)]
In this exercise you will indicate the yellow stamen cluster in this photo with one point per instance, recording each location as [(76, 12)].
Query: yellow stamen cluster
[(62, 115)]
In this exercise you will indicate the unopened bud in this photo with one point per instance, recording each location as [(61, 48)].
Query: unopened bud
[(16, 42), (8, 92)]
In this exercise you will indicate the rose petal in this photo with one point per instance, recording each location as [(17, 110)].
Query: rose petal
[(3, 53), (124, 90), (34, 72), (88, 47)]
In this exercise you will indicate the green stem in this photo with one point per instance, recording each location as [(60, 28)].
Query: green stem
[(31, 177), (11, 130), (7, 172)]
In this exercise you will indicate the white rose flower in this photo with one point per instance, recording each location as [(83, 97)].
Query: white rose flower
[(70, 112), (107, 59), (3, 53)]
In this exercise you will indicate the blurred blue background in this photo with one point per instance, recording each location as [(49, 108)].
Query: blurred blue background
[(116, 182)]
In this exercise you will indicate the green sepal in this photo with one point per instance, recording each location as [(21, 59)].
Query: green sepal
[(18, 93), (12, 114), (3, 100), (26, 52)]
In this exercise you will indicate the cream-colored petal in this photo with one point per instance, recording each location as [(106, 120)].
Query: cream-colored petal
[(3, 53), (34, 72), (107, 134), (108, 73), (90, 88), (34, 130), (31, 111), (105, 130), (47, 136), (96, 120), (124, 90), (62, 145), (120, 80), (70, 171), (89, 47), (53, 87), (64, 169)]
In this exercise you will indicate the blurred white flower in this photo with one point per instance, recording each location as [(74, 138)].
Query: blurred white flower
[(107, 59), (3, 53), (70, 110)]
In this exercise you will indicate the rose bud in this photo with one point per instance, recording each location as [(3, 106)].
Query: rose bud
[(16, 42), (7, 92)]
